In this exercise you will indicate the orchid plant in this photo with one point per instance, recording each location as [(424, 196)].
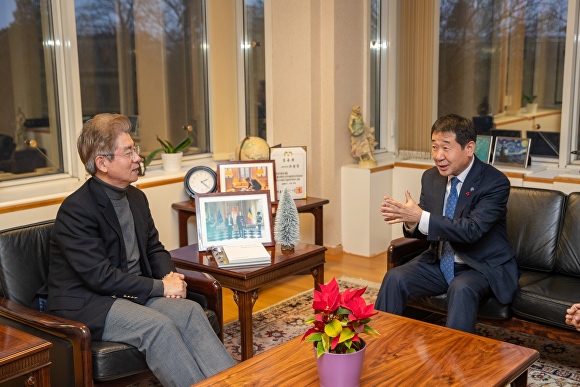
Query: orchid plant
[(339, 319)]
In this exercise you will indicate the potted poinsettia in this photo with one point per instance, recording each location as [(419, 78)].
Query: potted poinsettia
[(338, 321)]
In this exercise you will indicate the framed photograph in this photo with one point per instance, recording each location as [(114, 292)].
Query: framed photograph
[(242, 176), (290, 170), (511, 151), (483, 148), (234, 218)]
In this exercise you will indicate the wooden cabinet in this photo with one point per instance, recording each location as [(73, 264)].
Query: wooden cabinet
[(24, 359)]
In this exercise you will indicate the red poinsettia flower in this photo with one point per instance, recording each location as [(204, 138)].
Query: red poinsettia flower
[(359, 309), (339, 319), (328, 298)]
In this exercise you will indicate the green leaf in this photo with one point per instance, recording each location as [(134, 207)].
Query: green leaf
[(346, 334), (151, 156), (184, 144), (314, 337), (370, 331), (325, 340), (319, 349), (166, 145), (311, 320), (333, 328)]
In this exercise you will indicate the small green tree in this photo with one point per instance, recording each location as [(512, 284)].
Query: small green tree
[(287, 224)]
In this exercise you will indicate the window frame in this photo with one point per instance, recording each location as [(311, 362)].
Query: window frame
[(70, 120), (570, 123)]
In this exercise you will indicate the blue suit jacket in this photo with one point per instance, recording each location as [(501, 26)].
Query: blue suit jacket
[(478, 231), (88, 262)]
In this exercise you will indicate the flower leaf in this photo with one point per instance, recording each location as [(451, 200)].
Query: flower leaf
[(333, 329)]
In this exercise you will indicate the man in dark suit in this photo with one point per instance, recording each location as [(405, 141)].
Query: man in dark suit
[(473, 237), (241, 223), (108, 269), (230, 226)]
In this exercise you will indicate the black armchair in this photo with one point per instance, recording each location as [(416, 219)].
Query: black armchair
[(76, 359)]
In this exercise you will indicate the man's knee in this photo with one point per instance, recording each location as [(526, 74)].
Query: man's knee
[(473, 286)]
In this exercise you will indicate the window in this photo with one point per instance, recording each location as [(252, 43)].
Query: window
[(29, 124), (254, 68), (375, 68), (146, 60), (494, 55)]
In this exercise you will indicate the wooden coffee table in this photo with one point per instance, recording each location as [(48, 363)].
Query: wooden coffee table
[(245, 282), (407, 353)]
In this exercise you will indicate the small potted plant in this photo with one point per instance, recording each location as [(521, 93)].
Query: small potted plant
[(171, 155), (338, 320), (531, 107)]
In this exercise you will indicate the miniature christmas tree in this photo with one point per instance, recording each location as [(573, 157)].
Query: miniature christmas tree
[(287, 224)]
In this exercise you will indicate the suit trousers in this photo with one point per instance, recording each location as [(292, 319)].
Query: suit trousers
[(175, 336), (417, 279)]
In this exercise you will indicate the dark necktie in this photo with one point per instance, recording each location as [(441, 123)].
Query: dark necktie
[(447, 253)]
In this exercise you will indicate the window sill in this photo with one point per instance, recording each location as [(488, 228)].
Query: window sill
[(50, 188)]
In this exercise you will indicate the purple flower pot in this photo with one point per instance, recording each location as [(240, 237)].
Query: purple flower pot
[(340, 370)]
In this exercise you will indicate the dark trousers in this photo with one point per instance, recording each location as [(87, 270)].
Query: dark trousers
[(418, 279)]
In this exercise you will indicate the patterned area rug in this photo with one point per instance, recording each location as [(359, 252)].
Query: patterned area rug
[(558, 366)]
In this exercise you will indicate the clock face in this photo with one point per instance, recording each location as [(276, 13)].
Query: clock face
[(200, 180)]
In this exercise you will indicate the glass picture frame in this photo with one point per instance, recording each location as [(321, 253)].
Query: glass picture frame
[(511, 152), (290, 170), (483, 148), (243, 176), (234, 218)]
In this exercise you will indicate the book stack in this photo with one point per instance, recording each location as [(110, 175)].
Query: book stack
[(236, 256)]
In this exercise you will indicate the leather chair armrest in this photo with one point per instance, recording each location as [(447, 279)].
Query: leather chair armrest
[(403, 250), (76, 333), (206, 285)]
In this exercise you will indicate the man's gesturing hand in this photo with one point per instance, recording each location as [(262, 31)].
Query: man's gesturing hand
[(396, 212)]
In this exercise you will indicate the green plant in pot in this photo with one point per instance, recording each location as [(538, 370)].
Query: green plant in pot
[(531, 107), (529, 98), (168, 148)]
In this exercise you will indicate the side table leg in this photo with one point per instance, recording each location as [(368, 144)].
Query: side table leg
[(318, 274), (246, 303), (521, 381), (318, 226), (182, 217)]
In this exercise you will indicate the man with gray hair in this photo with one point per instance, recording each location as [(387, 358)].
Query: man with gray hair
[(108, 269)]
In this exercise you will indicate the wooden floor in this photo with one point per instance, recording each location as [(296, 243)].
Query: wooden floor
[(371, 269)]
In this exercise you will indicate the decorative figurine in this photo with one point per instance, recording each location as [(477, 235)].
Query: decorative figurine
[(362, 139)]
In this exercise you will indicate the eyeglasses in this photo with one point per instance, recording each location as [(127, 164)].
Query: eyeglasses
[(135, 151)]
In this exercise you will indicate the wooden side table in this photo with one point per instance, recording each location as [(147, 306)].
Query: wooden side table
[(186, 209), (24, 356)]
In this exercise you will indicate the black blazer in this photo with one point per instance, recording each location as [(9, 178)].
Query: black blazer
[(88, 262), (478, 232)]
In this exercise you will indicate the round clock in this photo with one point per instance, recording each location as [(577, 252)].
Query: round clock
[(200, 180)]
